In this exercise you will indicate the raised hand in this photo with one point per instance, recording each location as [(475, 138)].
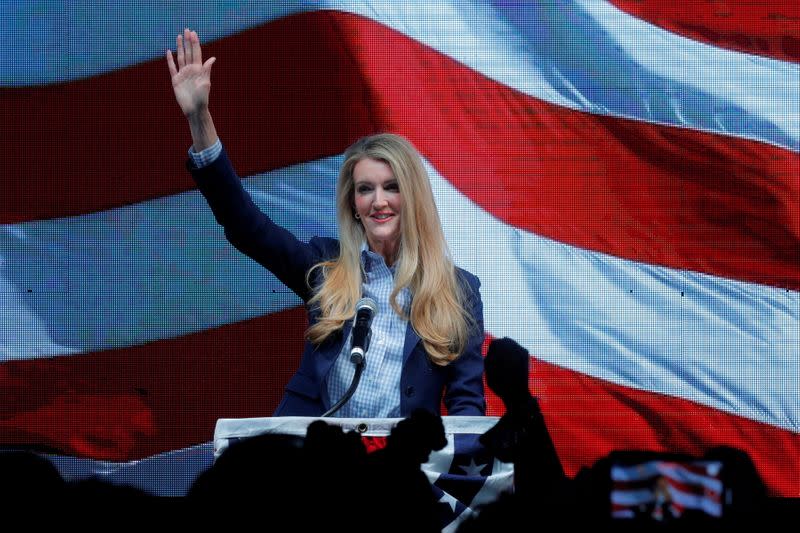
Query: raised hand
[(191, 79)]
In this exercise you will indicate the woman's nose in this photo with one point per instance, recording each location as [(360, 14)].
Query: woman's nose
[(380, 198)]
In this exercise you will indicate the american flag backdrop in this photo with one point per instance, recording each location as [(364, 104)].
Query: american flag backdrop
[(623, 177)]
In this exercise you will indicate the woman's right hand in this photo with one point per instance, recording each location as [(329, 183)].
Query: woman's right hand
[(191, 80)]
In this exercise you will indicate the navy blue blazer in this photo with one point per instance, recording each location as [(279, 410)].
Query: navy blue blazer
[(422, 384)]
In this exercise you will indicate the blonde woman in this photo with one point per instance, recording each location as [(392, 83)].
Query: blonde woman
[(428, 331)]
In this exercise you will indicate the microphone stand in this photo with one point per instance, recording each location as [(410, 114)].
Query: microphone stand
[(357, 357)]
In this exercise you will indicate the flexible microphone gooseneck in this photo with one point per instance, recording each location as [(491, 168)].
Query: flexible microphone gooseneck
[(366, 309)]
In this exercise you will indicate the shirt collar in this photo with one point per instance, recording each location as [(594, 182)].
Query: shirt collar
[(370, 259)]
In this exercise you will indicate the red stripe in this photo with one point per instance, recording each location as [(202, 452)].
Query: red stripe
[(119, 138), (588, 418), (765, 28), (676, 508), (650, 193), (373, 444), (619, 507), (132, 403)]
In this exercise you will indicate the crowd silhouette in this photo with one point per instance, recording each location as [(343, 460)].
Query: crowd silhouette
[(328, 480)]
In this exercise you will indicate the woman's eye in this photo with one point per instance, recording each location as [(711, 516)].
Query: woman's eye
[(362, 189), (393, 187)]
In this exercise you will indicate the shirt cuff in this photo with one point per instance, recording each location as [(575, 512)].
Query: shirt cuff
[(206, 157)]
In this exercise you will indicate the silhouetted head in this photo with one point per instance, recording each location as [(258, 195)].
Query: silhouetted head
[(27, 476), (264, 468), (415, 437)]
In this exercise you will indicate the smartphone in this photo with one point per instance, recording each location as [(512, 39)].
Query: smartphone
[(665, 487)]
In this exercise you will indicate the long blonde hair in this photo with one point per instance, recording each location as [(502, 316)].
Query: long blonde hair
[(438, 311)]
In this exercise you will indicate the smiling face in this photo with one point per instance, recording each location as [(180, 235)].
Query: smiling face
[(379, 205)]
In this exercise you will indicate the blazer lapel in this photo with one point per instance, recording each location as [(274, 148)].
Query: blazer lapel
[(412, 339), (327, 355)]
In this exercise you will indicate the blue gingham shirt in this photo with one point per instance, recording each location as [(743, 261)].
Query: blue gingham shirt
[(378, 393)]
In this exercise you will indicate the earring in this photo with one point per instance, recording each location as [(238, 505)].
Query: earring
[(357, 216)]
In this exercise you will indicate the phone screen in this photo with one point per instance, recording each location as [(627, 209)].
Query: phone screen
[(664, 490)]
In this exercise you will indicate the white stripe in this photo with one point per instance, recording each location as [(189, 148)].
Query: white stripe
[(583, 54), (161, 269), (727, 344), (635, 472), (149, 271), (695, 501), (227, 429), (632, 497), (166, 474), (683, 475)]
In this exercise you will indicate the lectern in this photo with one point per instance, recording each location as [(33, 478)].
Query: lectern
[(463, 474)]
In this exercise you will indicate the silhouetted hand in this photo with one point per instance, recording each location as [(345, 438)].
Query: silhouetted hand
[(507, 365)]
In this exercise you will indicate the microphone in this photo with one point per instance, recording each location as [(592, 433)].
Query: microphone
[(366, 308), (365, 311)]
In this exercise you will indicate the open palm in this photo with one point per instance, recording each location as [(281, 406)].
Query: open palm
[(191, 79)]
